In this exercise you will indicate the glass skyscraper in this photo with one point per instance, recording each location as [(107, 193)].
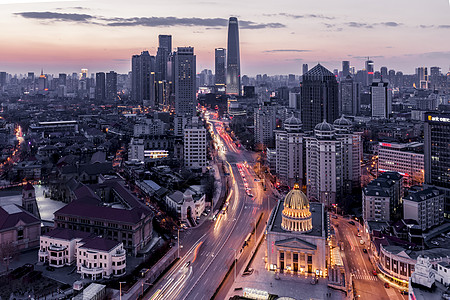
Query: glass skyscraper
[(233, 59)]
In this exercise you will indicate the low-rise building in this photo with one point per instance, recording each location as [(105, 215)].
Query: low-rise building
[(426, 207), (19, 227), (428, 282), (189, 204)]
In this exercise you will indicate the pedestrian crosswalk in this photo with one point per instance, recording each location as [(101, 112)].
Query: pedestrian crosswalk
[(364, 277)]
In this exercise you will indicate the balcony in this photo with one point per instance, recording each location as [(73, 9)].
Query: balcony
[(91, 271)]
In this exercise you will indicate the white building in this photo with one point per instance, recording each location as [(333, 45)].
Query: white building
[(324, 164), (98, 257), (94, 257), (289, 152), (381, 98), (406, 159), (351, 154), (190, 204), (426, 207), (195, 145), (149, 127)]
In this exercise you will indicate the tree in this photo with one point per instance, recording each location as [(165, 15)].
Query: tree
[(8, 251)]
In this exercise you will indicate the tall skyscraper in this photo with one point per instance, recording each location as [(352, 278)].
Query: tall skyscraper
[(264, 118), (185, 81), (111, 85), (437, 154), (304, 69), (381, 99), (2, 79), (384, 72), (233, 59), (62, 79), (349, 93), (345, 68), (143, 79), (220, 54), (422, 78), (320, 97), (164, 49), (100, 86), (370, 71)]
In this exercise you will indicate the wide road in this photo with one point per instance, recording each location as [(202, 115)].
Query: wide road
[(208, 250), (367, 285)]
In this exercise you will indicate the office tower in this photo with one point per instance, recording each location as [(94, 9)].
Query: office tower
[(352, 150), (295, 101), (384, 73), (370, 72), (381, 99), (304, 69), (265, 123), (391, 78), (62, 79), (406, 159), (435, 77), (143, 79), (245, 80), (100, 86), (111, 86), (399, 80), (233, 59), (422, 78), (206, 78), (320, 97), (162, 55), (42, 82), (437, 154), (2, 79), (195, 144), (84, 74), (426, 207), (349, 93), (185, 81), (220, 66), (323, 165), (289, 152), (345, 68)]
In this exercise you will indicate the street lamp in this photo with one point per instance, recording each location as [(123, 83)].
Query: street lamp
[(120, 289), (235, 263)]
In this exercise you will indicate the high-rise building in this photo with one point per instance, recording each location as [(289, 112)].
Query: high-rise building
[(185, 81), (220, 71), (42, 82), (100, 87), (289, 152), (370, 72), (304, 69), (143, 79), (349, 94), (233, 59), (426, 207), (162, 55), (320, 97), (391, 78), (437, 154), (435, 77), (422, 78), (2, 79), (351, 154), (195, 145), (381, 99), (265, 123), (323, 165), (384, 73), (345, 68), (62, 79), (111, 85)]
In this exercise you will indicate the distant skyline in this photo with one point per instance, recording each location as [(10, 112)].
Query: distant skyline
[(275, 37)]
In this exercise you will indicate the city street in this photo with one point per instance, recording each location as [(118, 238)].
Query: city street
[(208, 250), (366, 284)]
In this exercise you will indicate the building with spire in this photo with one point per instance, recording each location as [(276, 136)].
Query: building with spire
[(29, 200), (233, 71), (297, 236)]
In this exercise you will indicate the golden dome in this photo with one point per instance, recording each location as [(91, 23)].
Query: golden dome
[(296, 199)]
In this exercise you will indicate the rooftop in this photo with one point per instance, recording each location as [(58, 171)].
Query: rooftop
[(98, 243)]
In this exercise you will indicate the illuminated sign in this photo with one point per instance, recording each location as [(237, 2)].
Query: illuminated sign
[(439, 119), (386, 144)]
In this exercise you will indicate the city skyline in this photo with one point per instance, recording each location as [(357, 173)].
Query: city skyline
[(65, 36)]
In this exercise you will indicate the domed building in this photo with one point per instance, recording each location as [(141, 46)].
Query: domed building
[(297, 236)]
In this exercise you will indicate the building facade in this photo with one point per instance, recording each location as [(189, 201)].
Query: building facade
[(233, 72), (185, 81), (381, 99), (426, 207), (195, 145), (297, 236)]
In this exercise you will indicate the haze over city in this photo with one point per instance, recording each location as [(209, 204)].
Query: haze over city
[(276, 38)]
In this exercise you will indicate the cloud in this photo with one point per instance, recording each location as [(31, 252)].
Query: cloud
[(286, 50), (144, 21), (365, 57), (372, 25), (53, 16), (73, 8), (444, 26), (305, 16)]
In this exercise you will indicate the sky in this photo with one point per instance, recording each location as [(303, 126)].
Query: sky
[(276, 37)]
